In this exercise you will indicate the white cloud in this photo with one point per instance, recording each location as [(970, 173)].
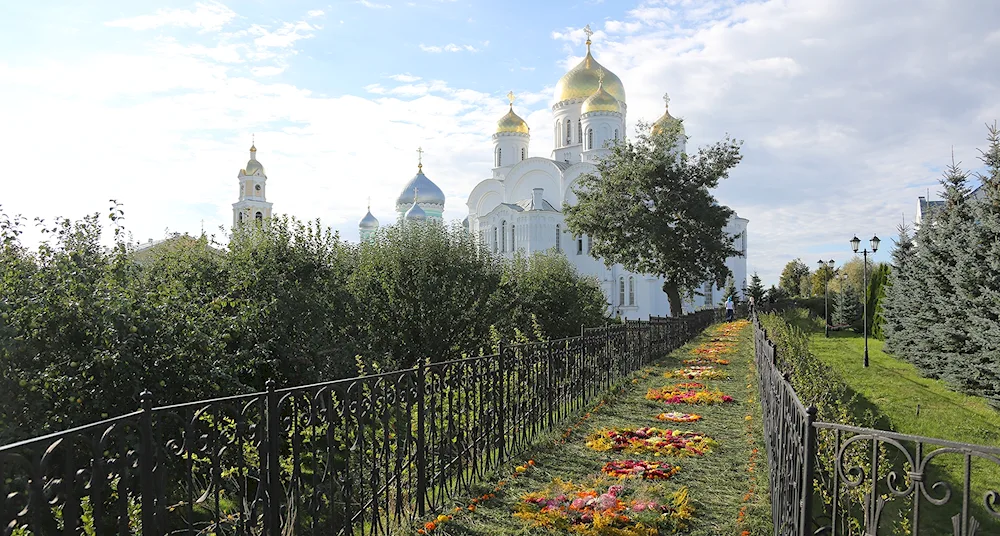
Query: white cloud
[(373, 5), (450, 47), (315, 13), (847, 108), (211, 16)]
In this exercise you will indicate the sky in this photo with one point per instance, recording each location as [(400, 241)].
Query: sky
[(848, 109)]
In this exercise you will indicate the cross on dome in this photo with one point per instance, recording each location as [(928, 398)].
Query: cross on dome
[(600, 76), (589, 32), (420, 162), (666, 99), (511, 97)]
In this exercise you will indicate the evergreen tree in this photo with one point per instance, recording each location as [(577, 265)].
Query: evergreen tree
[(898, 330), (876, 297), (651, 209), (984, 367), (847, 311), (756, 289)]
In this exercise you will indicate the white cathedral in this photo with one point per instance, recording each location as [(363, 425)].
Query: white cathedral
[(518, 208)]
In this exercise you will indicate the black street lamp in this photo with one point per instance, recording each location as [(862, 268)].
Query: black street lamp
[(826, 301), (855, 242)]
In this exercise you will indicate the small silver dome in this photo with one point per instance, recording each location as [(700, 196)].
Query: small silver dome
[(368, 223), (415, 213), (427, 191)]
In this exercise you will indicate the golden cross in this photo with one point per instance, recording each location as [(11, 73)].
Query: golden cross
[(600, 76), (589, 32), (420, 156), (666, 99), (510, 97)]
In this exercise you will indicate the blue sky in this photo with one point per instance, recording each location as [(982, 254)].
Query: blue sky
[(849, 109)]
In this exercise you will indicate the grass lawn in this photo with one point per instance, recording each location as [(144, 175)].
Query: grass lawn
[(893, 389), (727, 486)]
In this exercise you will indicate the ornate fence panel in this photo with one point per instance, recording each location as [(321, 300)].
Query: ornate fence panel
[(359, 456), (833, 479)]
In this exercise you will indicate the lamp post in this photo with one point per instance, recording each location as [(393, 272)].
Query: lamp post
[(826, 301), (855, 243)]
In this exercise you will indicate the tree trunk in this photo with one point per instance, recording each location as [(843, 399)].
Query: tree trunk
[(674, 298)]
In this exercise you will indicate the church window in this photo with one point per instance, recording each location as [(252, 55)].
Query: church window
[(616, 134), (569, 131), (579, 245), (621, 291), (590, 138), (579, 131), (256, 187), (513, 244), (499, 156), (631, 290), (743, 242), (495, 241), (522, 154), (589, 242), (259, 216), (558, 238), (503, 235), (241, 217)]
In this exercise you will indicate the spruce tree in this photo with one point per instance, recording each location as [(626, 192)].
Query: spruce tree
[(897, 306), (756, 288), (847, 311), (984, 368)]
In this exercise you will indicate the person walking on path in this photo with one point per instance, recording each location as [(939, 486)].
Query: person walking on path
[(750, 307), (729, 309)]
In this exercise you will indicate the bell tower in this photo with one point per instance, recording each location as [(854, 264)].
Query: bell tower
[(252, 204)]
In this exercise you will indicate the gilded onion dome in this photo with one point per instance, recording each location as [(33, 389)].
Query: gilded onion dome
[(601, 101), (369, 222), (427, 191), (253, 166), (583, 80), (512, 123), (665, 119)]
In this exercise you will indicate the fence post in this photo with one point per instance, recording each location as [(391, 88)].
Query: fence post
[(502, 401), (272, 521), (583, 361), (549, 388), (421, 442), (810, 468), (147, 463)]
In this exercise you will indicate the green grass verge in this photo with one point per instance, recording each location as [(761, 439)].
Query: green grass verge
[(893, 389), (719, 482)]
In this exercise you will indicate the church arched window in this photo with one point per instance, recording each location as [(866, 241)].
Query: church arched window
[(558, 238), (590, 138), (522, 154), (621, 291), (569, 131), (499, 156), (579, 131), (631, 290), (513, 240), (503, 235), (579, 245), (259, 216), (241, 217), (495, 240)]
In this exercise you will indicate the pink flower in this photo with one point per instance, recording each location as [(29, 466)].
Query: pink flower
[(578, 504), (615, 490)]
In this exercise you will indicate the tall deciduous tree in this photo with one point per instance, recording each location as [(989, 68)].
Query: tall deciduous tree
[(650, 208), (791, 277)]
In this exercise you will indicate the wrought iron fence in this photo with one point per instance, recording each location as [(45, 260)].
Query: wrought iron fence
[(833, 479), (359, 456)]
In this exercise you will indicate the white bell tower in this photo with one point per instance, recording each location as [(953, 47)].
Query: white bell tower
[(252, 204)]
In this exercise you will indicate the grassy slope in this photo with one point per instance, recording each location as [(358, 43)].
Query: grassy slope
[(718, 482), (894, 388)]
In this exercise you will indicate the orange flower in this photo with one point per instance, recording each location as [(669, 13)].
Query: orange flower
[(472, 508), (430, 526)]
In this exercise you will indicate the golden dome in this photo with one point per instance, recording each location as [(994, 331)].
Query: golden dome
[(601, 101), (511, 122), (582, 81), (664, 119)]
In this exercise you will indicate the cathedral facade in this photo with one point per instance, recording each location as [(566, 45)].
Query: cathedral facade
[(519, 207)]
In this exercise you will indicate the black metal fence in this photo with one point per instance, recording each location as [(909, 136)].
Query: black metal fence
[(832, 479), (360, 456)]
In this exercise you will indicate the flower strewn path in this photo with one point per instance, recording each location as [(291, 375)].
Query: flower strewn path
[(676, 450)]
